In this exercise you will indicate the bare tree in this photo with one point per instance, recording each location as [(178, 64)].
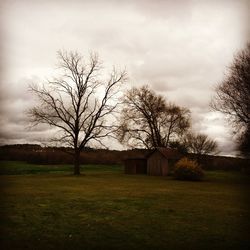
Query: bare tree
[(233, 96), (78, 102), (200, 144), (147, 120)]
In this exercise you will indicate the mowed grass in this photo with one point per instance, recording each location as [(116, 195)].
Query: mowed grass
[(19, 167), (106, 209)]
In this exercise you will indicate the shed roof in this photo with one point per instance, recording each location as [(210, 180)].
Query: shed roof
[(167, 153)]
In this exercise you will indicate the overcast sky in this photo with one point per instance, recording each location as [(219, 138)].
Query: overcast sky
[(180, 48)]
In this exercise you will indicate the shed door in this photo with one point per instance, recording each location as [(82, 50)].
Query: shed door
[(159, 167), (164, 167)]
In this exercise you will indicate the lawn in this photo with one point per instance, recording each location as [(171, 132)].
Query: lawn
[(46, 207)]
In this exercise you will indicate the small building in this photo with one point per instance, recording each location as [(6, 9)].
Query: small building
[(159, 161), (135, 166)]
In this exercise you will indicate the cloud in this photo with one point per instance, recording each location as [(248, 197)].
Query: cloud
[(180, 48)]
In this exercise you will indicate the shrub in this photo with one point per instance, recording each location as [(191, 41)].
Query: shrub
[(186, 169)]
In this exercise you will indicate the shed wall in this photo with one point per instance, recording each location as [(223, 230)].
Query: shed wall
[(157, 164), (135, 166)]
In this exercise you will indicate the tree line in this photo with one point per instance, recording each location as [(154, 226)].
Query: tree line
[(86, 105)]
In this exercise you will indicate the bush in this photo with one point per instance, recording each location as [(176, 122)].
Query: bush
[(186, 169)]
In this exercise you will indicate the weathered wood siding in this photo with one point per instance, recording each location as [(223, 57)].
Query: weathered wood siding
[(135, 166), (157, 164)]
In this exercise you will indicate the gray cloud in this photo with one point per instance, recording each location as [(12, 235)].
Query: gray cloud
[(180, 48)]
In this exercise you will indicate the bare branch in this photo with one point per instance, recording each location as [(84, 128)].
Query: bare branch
[(232, 97), (149, 121), (71, 103)]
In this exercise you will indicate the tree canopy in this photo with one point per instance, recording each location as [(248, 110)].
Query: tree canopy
[(78, 102), (147, 120), (232, 97)]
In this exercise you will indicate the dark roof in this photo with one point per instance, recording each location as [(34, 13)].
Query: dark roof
[(167, 153)]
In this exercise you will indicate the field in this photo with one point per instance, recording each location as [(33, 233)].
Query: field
[(46, 207)]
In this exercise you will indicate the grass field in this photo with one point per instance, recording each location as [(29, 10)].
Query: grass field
[(46, 207)]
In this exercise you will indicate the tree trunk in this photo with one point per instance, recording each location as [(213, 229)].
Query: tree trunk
[(77, 163)]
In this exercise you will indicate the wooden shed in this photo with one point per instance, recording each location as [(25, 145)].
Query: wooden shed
[(159, 160), (135, 166)]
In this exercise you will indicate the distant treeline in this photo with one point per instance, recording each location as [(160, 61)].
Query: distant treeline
[(32, 153)]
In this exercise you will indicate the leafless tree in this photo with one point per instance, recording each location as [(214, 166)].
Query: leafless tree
[(78, 102), (232, 96), (200, 144), (147, 120)]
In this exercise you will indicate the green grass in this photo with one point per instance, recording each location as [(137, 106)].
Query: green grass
[(106, 209), (23, 168)]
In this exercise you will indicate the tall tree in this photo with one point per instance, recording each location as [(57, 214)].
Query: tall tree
[(77, 102), (147, 120), (232, 97), (199, 144)]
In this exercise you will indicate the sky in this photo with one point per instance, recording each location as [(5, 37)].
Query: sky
[(181, 49)]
